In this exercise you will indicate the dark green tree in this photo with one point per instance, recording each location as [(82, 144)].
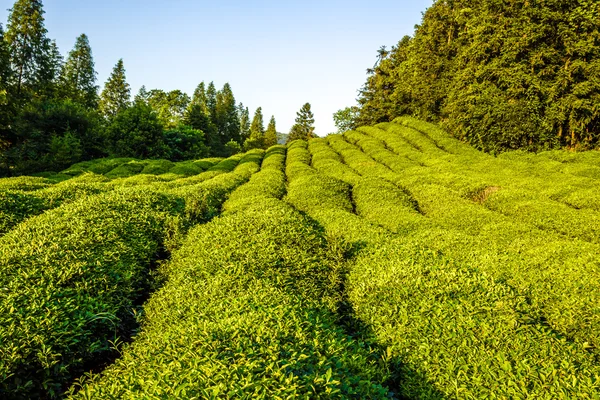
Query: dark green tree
[(197, 118), (500, 75), (200, 97), (270, 137), (244, 116), (211, 102), (184, 143), (136, 132), (7, 107), (304, 127), (227, 115), (142, 95), (115, 97), (257, 132), (30, 49), (78, 76)]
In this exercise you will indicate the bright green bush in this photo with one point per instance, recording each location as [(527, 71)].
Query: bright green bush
[(250, 317), (157, 167), (186, 168), (452, 330), (126, 169), (72, 277)]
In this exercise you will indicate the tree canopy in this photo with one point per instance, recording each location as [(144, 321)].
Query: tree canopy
[(500, 75)]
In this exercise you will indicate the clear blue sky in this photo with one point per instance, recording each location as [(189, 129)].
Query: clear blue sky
[(275, 54)]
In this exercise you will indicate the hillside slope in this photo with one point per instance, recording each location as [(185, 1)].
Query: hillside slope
[(392, 261)]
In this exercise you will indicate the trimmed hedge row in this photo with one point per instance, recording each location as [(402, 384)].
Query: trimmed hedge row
[(268, 183), (73, 276), (451, 329), (249, 310), (70, 279)]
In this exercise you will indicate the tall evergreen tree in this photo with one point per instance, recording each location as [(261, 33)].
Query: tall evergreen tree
[(257, 131), (30, 49), (304, 127), (197, 118), (200, 97), (227, 117), (270, 138), (211, 102), (78, 77), (244, 115), (116, 93), (6, 106), (142, 95)]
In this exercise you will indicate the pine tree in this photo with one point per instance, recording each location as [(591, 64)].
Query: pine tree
[(211, 102), (116, 93), (270, 138), (30, 49), (78, 77), (142, 95), (197, 118), (257, 132), (226, 111), (244, 116), (200, 97), (304, 127), (6, 106)]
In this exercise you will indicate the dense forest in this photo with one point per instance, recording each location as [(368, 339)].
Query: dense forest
[(511, 74), (52, 113)]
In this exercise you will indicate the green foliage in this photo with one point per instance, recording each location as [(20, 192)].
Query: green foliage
[(30, 49), (184, 143), (83, 298), (170, 106), (270, 137), (459, 283), (157, 167), (126, 169), (257, 132), (345, 119), (136, 132), (500, 76), (232, 147), (78, 77), (115, 97), (264, 301), (304, 128), (37, 126), (64, 150)]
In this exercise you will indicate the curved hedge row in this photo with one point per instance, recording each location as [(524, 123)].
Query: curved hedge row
[(70, 279), (451, 329), (248, 311)]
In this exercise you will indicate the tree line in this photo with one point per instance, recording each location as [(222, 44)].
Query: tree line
[(52, 113), (501, 75)]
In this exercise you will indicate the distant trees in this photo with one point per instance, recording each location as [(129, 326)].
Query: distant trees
[(51, 114), (257, 132), (304, 127), (500, 75), (116, 94), (270, 138)]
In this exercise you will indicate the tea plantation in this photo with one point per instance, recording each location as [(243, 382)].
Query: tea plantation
[(393, 261)]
